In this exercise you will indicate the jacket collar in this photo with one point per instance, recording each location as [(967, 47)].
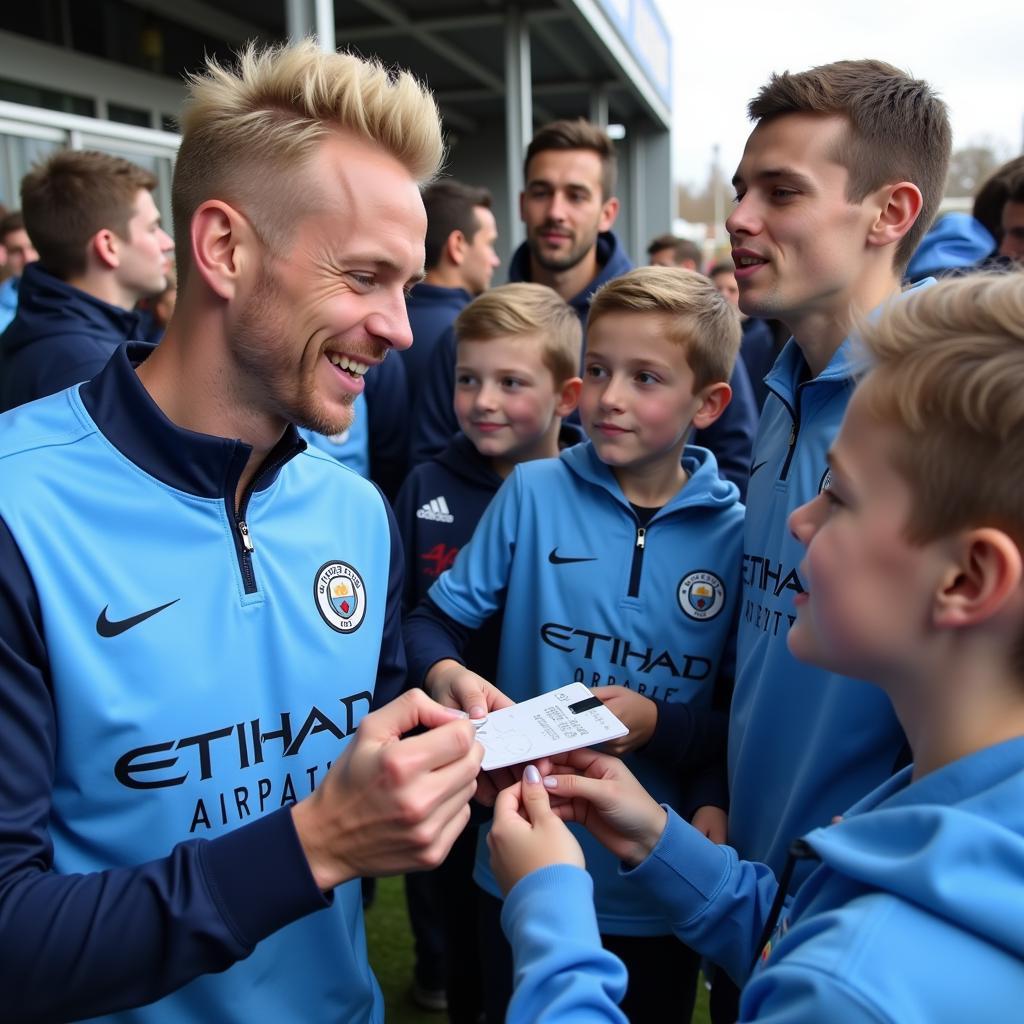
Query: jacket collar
[(199, 464)]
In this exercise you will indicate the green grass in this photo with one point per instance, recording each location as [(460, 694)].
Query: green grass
[(390, 941)]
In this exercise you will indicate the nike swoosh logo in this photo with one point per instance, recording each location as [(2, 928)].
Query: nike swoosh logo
[(105, 627), (556, 559), (757, 466)]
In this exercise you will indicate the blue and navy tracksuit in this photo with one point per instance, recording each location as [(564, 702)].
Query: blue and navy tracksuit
[(173, 676)]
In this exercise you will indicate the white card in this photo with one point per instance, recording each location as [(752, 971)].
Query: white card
[(564, 719)]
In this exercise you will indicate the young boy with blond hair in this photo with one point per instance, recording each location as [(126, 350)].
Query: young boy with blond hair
[(914, 557), (616, 565), (516, 378)]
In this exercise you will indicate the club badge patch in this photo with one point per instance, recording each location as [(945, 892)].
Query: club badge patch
[(826, 481), (340, 596), (701, 595)]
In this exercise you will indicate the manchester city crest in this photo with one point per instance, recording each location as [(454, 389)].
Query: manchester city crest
[(701, 595), (340, 596)]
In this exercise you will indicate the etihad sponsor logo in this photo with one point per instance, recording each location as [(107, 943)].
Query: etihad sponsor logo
[(619, 651), (237, 746), (436, 510), (772, 577)]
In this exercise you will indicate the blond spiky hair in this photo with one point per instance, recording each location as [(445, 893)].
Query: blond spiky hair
[(249, 129)]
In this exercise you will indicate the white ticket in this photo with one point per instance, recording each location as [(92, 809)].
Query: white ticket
[(553, 723)]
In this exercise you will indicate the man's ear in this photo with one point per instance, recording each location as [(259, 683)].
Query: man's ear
[(223, 246), (899, 206), (106, 247), (568, 396), (714, 398), (609, 211), (455, 247), (983, 581)]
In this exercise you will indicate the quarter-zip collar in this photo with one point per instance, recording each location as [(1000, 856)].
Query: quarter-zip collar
[(199, 464)]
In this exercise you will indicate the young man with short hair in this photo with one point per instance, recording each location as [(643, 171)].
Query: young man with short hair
[(839, 179), (20, 251), (101, 249), (197, 612)]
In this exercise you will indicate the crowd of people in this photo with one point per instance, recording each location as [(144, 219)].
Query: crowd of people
[(283, 522)]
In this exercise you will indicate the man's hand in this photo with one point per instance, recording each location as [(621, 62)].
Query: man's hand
[(527, 834), (390, 805), (713, 822), (637, 713), (599, 792)]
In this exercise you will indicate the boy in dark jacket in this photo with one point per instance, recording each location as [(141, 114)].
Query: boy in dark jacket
[(516, 378)]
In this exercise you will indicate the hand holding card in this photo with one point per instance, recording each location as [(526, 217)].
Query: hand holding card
[(565, 719)]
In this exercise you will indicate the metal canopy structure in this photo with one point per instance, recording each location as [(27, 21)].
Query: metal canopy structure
[(498, 71)]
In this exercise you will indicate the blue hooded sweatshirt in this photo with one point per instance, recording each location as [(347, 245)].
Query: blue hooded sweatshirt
[(913, 915), (956, 240), (590, 595), (60, 336)]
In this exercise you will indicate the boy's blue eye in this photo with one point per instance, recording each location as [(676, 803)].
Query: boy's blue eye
[(512, 383), (646, 378)]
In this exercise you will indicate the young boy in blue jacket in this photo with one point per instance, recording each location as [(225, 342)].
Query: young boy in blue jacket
[(516, 378), (915, 570), (616, 565)]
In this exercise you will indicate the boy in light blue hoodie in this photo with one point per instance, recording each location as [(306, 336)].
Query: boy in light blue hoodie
[(915, 570)]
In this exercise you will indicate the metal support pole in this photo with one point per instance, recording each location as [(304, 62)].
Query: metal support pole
[(325, 32), (298, 19), (518, 113), (599, 106)]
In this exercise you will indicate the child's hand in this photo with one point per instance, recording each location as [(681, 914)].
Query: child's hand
[(638, 713), (713, 822), (455, 686), (527, 834), (600, 793)]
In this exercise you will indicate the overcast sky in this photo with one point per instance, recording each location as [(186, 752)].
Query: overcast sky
[(972, 52)]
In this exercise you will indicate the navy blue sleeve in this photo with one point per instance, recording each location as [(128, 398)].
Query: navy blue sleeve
[(391, 669), (434, 421), (430, 637), (731, 436), (387, 416), (76, 946), (405, 515)]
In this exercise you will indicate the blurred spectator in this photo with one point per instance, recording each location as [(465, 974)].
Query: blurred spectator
[(1011, 244), (101, 250), (460, 261), (673, 251), (759, 348), (18, 251)]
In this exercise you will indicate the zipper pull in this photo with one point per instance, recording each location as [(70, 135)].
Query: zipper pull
[(247, 543), (641, 532)]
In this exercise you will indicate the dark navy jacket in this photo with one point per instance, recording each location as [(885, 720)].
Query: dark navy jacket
[(60, 336), (758, 352), (432, 310), (730, 438)]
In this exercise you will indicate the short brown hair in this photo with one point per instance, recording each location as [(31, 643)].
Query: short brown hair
[(578, 134), (682, 248), (898, 129), (451, 206), (527, 309), (248, 129), (991, 196), (9, 223), (67, 198), (948, 372), (695, 315)]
